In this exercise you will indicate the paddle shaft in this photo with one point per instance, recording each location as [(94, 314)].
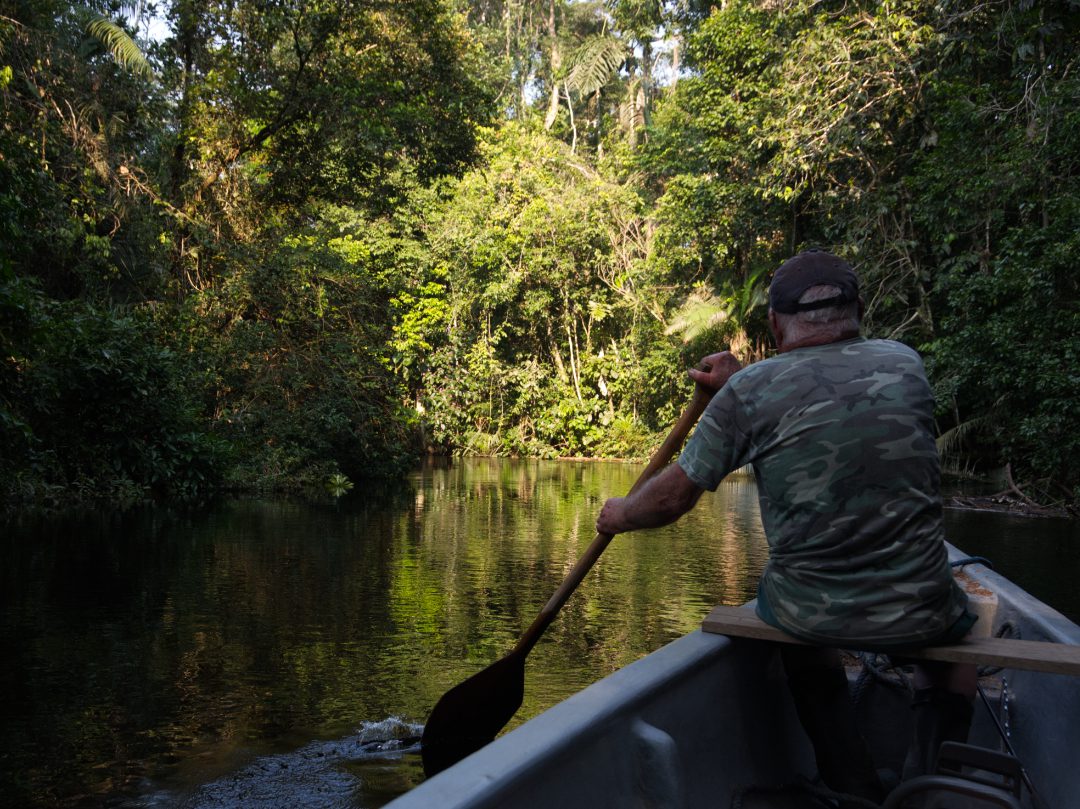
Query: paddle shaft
[(660, 459)]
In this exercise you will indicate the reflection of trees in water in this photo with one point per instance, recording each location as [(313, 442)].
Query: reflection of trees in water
[(155, 643), (179, 646), (526, 523)]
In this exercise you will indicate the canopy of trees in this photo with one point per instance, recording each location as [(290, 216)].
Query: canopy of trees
[(284, 244)]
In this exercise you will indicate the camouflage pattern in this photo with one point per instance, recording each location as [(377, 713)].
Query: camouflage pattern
[(840, 437)]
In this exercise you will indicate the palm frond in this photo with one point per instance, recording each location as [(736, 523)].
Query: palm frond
[(119, 43), (951, 442), (702, 311), (593, 63), (748, 295)]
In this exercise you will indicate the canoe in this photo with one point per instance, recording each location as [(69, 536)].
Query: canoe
[(707, 721)]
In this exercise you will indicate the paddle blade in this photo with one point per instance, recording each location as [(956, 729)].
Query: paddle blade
[(472, 713)]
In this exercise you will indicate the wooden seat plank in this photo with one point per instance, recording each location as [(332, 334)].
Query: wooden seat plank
[(1053, 658)]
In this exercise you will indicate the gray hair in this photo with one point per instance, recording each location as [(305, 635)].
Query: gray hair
[(840, 319)]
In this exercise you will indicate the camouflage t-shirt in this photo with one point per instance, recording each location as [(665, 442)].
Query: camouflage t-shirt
[(840, 438)]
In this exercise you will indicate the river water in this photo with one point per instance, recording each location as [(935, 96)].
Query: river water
[(268, 653)]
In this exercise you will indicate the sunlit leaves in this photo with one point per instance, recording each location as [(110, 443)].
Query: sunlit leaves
[(544, 258)]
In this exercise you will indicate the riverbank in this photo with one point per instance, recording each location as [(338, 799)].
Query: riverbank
[(1005, 503)]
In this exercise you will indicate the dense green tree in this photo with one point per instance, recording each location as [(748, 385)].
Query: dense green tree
[(302, 226), (72, 115), (294, 346), (546, 327), (289, 104), (718, 232), (211, 180), (96, 404), (994, 196)]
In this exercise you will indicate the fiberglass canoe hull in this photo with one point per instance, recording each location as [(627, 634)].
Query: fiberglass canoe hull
[(706, 718)]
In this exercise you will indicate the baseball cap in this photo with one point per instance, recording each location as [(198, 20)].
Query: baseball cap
[(812, 268)]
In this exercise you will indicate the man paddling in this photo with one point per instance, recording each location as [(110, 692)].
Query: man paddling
[(839, 431)]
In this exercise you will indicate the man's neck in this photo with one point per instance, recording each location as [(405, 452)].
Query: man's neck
[(818, 340)]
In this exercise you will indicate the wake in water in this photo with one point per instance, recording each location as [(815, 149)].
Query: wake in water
[(330, 774)]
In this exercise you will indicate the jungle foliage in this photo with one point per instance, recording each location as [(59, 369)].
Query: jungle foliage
[(287, 243)]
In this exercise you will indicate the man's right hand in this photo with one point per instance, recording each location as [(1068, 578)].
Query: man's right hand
[(611, 520), (720, 366)]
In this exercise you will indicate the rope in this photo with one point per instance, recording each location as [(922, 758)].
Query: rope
[(873, 671), (1036, 799)]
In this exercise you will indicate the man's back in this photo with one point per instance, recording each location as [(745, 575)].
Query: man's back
[(840, 433), (840, 437)]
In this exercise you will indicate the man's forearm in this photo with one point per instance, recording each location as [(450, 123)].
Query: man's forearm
[(659, 502)]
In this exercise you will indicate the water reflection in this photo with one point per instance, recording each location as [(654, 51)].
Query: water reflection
[(498, 537), (162, 658), (154, 656), (1040, 554)]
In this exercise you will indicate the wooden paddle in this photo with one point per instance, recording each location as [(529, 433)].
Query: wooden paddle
[(471, 713)]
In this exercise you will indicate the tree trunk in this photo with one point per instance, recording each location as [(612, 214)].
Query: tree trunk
[(556, 64), (187, 34), (646, 81), (574, 361), (556, 355), (186, 31)]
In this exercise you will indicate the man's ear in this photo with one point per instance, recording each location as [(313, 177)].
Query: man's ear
[(774, 327), (862, 308)]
